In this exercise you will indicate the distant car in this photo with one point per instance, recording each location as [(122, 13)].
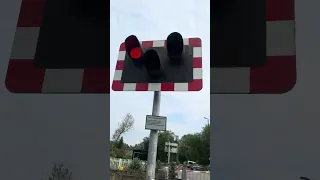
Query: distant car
[(191, 163)]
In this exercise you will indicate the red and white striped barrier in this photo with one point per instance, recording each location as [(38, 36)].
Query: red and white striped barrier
[(194, 175)]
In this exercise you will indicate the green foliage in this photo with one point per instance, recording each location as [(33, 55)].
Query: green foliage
[(120, 144), (127, 156), (113, 153), (136, 165), (196, 147), (118, 153), (118, 148), (159, 165), (162, 139), (59, 172), (172, 169), (124, 126)]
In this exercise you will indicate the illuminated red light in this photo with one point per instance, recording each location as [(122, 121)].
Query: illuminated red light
[(135, 53)]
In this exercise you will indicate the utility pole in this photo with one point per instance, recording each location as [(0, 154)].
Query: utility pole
[(153, 140)]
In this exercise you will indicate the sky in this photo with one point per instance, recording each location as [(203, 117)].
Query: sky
[(155, 20)]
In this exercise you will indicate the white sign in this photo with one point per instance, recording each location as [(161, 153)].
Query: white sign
[(156, 123), (173, 147), (171, 144)]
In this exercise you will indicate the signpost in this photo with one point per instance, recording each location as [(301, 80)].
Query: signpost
[(170, 148), (174, 64)]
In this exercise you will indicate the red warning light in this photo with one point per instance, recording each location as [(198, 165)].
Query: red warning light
[(135, 53)]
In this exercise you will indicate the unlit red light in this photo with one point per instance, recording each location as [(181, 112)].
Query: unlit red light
[(135, 53)]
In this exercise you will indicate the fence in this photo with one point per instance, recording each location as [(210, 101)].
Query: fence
[(163, 174), (193, 175), (116, 163)]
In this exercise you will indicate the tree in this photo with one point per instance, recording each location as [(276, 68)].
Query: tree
[(123, 127), (196, 147), (205, 138), (143, 145), (191, 146), (163, 137), (120, 144), (118, 147)]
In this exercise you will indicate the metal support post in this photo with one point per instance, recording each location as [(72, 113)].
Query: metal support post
[(153, 140), (184, 171), (169, 152)]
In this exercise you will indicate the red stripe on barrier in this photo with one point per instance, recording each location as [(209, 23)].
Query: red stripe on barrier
[(31, 13), (96, 80), (120, 65), (280, 10), (195, 85), (142, 86), (195, 42), (276, 77), (197, 62), (117, 85), (147, 44), (167, 86), (22, 77)]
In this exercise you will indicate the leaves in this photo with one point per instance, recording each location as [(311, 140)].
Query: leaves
[(196, 147), (118, 148), (136, 165), (119, 144), (123, 127), (59, 172)]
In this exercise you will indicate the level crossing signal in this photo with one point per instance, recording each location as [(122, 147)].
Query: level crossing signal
[(169, 62)]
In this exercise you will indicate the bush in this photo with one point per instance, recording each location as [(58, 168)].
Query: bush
[(113, 154), (118, 153), (59, 172), (172, 170), (136, 165), (127, 157), (159, 165)]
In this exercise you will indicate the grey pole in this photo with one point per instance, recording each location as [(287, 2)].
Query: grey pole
[(184, 171), (169, 152), (153, 140)]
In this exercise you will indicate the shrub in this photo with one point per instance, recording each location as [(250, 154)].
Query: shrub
[(136, 165), (159, 165), (172, 170), (127, 157), (59, 172)]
